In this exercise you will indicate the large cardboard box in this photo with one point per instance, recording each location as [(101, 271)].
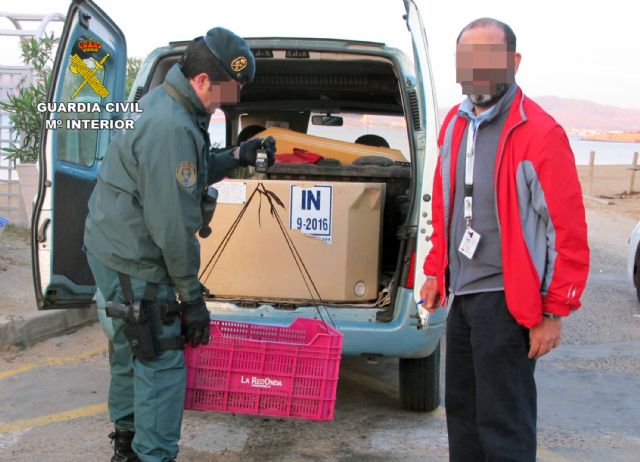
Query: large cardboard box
[(336, 228)]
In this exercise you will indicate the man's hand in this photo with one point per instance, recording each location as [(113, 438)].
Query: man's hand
[(544, 337), (430, 294), (247, 154), (195, 322)]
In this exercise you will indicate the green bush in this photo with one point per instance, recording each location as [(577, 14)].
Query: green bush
[(133, 66), (24, 118)]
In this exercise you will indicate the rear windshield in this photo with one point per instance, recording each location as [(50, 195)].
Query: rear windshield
[(390, 128)]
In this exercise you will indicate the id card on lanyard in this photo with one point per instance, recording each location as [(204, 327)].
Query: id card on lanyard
[(471, 238)]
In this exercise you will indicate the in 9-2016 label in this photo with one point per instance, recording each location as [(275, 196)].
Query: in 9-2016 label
[(312, 211)]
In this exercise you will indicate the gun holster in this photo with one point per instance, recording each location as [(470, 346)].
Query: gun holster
[(144, 319)]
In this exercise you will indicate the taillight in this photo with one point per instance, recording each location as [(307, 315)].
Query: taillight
[(411, 273)]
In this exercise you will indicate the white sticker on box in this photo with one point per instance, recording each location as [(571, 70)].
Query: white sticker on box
[(312, 211), (231, 192)]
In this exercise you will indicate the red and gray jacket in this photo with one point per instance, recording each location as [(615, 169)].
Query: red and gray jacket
[(543, 232)]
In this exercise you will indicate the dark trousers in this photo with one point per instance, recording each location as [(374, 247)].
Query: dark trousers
[(490, 391)]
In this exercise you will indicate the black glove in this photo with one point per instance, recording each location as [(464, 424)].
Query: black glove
[(248, 150), (195, 322)]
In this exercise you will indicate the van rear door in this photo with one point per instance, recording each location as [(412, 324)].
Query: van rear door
[(425, 139), (89, 71)]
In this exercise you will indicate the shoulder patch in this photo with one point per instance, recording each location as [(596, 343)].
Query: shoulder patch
[(186, 174), (239, 63)]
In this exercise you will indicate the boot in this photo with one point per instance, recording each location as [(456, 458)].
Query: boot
[(122, 452)]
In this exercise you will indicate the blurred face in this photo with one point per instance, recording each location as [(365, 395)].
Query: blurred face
[(484, 67), (227, 92), (214, 95)]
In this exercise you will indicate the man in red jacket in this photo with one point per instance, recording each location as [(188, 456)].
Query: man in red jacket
[(509, 243)]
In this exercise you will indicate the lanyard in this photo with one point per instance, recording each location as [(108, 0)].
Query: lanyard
[(468, 173)]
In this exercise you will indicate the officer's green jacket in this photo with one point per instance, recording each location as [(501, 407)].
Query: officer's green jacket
[(145, 209)]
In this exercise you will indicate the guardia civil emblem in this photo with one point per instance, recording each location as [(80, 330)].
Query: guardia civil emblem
[(239, 63), (78, 66), (186, 173)]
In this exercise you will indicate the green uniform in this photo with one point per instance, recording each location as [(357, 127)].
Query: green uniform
[(143, 216), (145, 209), (145, 397)]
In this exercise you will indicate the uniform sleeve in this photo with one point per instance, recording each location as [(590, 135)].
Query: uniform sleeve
[(220, 163), (167, 180), (567, 266)]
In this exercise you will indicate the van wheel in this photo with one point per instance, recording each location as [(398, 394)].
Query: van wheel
[(420, 382)]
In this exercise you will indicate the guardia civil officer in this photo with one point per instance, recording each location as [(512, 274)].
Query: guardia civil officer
[(141, 245)]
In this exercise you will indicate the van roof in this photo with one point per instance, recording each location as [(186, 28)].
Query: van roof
[(302, 40)]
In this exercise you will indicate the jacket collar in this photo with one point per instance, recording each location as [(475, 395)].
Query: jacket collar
[(517, 113), (466, 109), (515, 117), (177, 80)]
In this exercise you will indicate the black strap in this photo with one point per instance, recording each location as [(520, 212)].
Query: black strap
[(169, 311), (172, 308), (150, 289), (127, 290), (170, 89)]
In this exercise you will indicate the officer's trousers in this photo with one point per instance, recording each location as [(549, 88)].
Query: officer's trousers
[(490, 391), (145, 397)]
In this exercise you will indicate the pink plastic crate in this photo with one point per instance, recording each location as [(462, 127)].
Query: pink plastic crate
[(267, 370)]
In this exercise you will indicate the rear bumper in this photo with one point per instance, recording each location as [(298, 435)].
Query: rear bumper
[(363, 334)]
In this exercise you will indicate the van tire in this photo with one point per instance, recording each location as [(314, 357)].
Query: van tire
[(420, 382)]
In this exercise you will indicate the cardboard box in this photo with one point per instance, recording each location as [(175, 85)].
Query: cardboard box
[(336, 228)]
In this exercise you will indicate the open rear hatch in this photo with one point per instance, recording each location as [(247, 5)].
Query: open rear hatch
[(342, 203)]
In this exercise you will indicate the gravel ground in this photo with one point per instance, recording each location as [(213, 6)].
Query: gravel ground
[(588, 406)]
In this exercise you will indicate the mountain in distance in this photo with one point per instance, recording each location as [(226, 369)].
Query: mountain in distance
[(578, 115), (586, 117)]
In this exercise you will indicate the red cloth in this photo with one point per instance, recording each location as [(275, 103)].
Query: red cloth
[(299, 156), (530, 136)]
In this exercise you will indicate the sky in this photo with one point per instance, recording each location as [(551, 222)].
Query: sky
[(571, 49)]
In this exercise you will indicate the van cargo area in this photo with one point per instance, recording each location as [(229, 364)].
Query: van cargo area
[(318, 104)]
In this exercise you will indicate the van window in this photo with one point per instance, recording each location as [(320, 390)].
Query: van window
[(78, 146), (392, 128)]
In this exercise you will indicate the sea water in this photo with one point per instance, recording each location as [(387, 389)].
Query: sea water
[(607, 152)]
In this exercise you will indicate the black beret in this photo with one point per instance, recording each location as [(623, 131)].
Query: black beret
[(232, 52)]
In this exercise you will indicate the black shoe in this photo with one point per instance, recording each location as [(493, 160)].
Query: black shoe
[(122, 452)]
